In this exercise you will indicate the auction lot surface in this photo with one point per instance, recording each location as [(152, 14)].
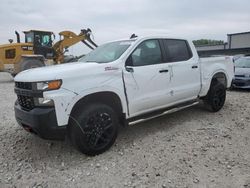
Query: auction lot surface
[(189, 148)]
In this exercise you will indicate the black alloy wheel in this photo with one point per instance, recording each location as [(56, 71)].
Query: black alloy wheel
[(93, 129)]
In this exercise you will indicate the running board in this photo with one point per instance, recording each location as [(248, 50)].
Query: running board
[(161, 113)]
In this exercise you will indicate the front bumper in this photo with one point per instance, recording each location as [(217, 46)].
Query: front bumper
[(40, 121), (242, 83)]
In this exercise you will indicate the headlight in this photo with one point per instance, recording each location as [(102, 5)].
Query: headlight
[(46, 86), (49, 85)]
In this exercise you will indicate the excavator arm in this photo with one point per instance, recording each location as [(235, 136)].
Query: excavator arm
[(69, 38)]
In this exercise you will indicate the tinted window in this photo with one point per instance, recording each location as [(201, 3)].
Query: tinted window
[(177, 50), (45, 40), (147, 53)]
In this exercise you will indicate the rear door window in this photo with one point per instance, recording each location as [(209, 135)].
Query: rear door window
[(177, 50)]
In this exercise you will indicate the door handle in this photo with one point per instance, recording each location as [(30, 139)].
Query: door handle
[(163, 71), (194, 67)]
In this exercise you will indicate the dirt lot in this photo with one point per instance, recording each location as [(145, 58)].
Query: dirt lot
[(190, 148)]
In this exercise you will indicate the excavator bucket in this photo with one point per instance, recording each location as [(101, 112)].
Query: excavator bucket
[(88, 33)]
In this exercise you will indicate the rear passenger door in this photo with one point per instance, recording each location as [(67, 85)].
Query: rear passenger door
[(185, 71)]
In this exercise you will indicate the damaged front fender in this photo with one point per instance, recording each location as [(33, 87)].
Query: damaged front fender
[(61, 99)]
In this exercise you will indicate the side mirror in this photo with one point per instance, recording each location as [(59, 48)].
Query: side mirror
[(129, 61), (129, 64), (10, 41)]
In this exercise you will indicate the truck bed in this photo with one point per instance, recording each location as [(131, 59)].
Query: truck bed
[(210, 66)]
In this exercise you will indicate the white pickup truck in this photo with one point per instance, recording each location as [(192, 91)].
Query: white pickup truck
[(119, 83)]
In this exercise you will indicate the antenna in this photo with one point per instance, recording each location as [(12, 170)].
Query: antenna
[(133, 36)]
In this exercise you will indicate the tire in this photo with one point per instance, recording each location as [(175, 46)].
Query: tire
[(13, 75), (93, 129), (31, 63), (216, 96), (231, 87)]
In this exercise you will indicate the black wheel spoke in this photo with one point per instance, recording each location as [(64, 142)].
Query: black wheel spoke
[(107, 126), (95, 128), (99, 130), (97, 138), (218, 99), (104, 139), (101, 139)]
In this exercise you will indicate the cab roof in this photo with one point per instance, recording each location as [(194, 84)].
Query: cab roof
[(38, 31), (145, 37)]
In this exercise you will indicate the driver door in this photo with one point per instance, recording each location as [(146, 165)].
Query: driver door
[(146, 78)]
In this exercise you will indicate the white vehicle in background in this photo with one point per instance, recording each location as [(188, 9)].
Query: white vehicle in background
[(241, 78), (119, 83)]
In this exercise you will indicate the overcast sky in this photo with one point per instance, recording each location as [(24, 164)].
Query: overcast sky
[(113, 19)]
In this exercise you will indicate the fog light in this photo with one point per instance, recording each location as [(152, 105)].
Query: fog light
[(45, 102)]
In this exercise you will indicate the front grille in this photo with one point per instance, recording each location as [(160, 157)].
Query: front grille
[(24, 85), (24, 95), (26, 102), (240, 84), (241, 76)]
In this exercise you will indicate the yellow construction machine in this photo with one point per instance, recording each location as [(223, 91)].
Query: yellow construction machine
[(39, 48)]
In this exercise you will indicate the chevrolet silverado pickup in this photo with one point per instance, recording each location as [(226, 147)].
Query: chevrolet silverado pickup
[(122, 82)]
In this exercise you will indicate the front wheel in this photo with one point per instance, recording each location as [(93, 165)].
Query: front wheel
[(93, 129), (216, 96), (30, 63)]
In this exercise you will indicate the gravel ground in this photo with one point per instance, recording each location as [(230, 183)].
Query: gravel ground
[(189, 148)]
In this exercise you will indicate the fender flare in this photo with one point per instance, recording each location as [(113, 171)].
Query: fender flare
[(83, 94), (209, 82)]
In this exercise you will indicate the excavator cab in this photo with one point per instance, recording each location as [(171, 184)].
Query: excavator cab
[(42, 42)]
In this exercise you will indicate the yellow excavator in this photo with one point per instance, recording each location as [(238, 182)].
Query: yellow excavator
[(38, 49)]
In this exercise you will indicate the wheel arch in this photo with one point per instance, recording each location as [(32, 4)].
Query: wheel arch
[(109, 98), (219, 76)]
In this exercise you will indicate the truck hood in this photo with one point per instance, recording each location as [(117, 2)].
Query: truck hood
[(56, 71)]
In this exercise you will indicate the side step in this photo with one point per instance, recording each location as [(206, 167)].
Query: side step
[(160, 113)]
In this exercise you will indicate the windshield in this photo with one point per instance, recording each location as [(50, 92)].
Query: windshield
[(242, 63), (107, 52)]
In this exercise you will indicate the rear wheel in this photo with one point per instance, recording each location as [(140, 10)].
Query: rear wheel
[(216, 96), (93, 129)]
